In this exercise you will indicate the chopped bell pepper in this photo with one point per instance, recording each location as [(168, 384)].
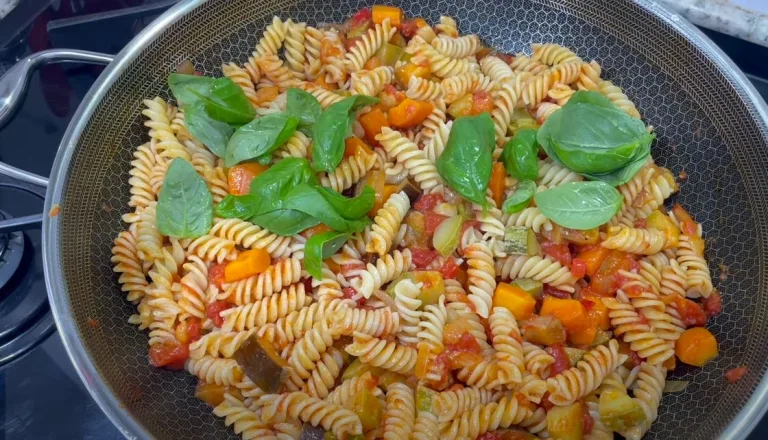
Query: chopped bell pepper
[(380, 13), (372, 123), (248, 263), (410, 113), (519, 302), (569, 311)]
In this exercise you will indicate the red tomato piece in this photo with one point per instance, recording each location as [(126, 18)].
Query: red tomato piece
[(188, 331), (351, 293), (409, 28), (562, 362), (469, 224), (588, 304), (555, 292), (481, 102), (578, 268), (735, 374), (421, 257), (216, 274), (713, 305), (427, 202), (361, 17), (432, 221), (450, 269), (641, 223), (691, 313), (558, 252), (170, 355), (507, 58), (587, 419), (214, 309), (545, 402)]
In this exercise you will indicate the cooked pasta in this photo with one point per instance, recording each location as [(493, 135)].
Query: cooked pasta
[(351, 297)]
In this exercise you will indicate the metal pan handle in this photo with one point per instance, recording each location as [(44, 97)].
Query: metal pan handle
[(13, 85)]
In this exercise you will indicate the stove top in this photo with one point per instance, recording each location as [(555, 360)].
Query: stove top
[(41, 396)]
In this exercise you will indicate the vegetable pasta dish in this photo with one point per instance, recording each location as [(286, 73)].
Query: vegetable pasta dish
[(386, 229)]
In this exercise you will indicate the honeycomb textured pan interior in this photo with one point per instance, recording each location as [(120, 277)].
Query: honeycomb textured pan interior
[(704, 127)]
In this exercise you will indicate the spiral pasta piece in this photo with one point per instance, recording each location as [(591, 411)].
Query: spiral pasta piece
[(193, 287), (349, 172), (447, 26), (673, 280), (529, 218), (577, 382), (631, 192), (541, 269), (376, 323), (298, 405), (635, 331), (267, 310), (697, 275), (294, 47), (481, 277), (617, 96), (648, 304), (256, 287), (426, 426), (323, 378), (648, 392), (441, 65), (142, 193), (636, 241), (371, 82), (449, 404), (384, 354), (296, 146), (272, 67), (287, 330), (272, 40), (537, 361), (589, 78), (415, 161), (215, 370), (524, 63), (457, 86), (240, 76), (218, 343), (251, 236), (368, 44), (553, 54), (244, 422), (536, 89), (504, 103), (543, 111), (422, 89), (436, 145), (344, 394), (386, 223), (310, 348), (212, 248), (497, 70), (565, 74), (510, 410), (313, 67), (150, 241), (484, 374), (334, 62), (507, 342), (552, 174), (160, 129), (125, 256), (400, 415), (325, 97), (458, 47), (408, 304)]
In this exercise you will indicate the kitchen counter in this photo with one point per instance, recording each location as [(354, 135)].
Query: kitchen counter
[(745, 19)]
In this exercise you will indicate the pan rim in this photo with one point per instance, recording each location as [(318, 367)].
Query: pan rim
[(101, 392)]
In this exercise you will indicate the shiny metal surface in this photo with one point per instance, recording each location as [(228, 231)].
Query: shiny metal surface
[(710, 121)]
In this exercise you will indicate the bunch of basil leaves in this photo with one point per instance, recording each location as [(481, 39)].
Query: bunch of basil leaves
[(287, 199)]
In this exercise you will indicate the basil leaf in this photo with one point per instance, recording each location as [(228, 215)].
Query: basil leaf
[(520, 155), (260, 137), (226, 102), (274, 184), (285, 222), (214, 134), (591, 135), (333, 126), (466, 163), (322, 246), (628, 171), (185, 204), (307, 199), (350, 208), (521, 198), (580, 205), (304, 106), (242, 207), (182, 86)]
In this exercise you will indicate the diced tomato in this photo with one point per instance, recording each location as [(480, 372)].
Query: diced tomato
[(348, 268), (691, 313), (578, 268), (450, 269), (421, 257), (555, 292), (410, 27), (588, 304), (606, 280), (469, 224), (427, 202), (641, 223), (361, 17), (481, 103), (391, 97), (170, 355), (558, 252), (431, 221), (633, 359), (546, 403), (587, 419), (216, 274), (562, 362), (214, 309), (713, 305), (735, 374), (188, 331), (350, 293)]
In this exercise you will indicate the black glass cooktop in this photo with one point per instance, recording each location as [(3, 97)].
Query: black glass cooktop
[(41, 396)]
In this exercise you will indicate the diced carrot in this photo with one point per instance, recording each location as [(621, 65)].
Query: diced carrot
[(696, 346), (597, 311), (266, 95), (372, 123), (380, 13), (239, 177), (498, 183), (248, 263), (372, 63), (593, 258), (519, 302), (569, 311), (410, 113), (355, 146)]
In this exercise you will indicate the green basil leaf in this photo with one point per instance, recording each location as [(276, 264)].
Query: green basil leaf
[(260, 137), (580, 205), (350, 208), (521, 198), (520, 155), (466, 163), (226, 102), (182, 86), (304, 106), (185, 204), (591, 135), (628, 171), (242, 207), (214, 134), (322, 246), (285, 222), (275, 183), (333, 126), (307, 199)]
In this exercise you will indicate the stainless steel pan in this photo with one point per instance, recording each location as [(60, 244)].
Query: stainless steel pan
[(710, 123)]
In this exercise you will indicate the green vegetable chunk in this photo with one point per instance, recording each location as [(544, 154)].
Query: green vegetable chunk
[(322, 246), (333, 126), (185, 204), (534, 287), (259, 138), (579, 205), (618, 411), (521, 198), (590, 135), (566, 422), (575, 354), (520, 155), (304, 106), (389, 54), (466, 163), (519, 240)]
